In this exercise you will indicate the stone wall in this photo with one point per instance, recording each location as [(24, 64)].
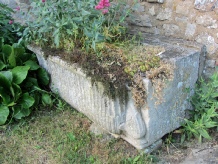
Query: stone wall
[(188, 19), (193, 20)]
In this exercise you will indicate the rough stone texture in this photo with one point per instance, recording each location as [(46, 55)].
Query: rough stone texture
[(189, 20), (175, 18), (170, 29), (190, 30), (164, 14), (140, 127), (141, 20)]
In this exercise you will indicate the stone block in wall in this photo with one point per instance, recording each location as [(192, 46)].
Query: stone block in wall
[(164, 14), (209, 41), (206, 21), (190, 30), (152, 11), (183, 8), (170, 29), (206, 5), (141, 20), (182, 19)]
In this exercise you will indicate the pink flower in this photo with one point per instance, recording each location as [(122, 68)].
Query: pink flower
[(43, 1), (99, 7), (17, 8), (10, 22), (106, 3), (105, 11), (103, 6)]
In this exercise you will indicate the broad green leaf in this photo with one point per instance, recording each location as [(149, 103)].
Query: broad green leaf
[(21, 112), (1, 42), (17, 91), (37, 97), (2, 65), (4, 81), (4, 112), (32, 64), (18, 49), (20, 73), (26, 101), (7, 50), (12, 59), (4, 95), (46, 99), (8, 75), (30, 82), (43, 76)]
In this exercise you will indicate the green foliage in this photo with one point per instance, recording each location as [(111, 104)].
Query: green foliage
[(67, 24), (8, 31), (20, 83), (205, 115)]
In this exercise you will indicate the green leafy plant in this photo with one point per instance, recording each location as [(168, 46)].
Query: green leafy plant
[(21, 79), (9, 30), (205, 113), (69, 24)]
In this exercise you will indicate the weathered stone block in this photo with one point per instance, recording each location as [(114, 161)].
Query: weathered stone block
[(164, 14), (141, 127), (190, 30)]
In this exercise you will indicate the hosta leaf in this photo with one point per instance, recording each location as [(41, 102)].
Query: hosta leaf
[(1, 42), (26, 101), (20, 73), (32, 64), (17, 91), (43, 76), (8, 75), (4, 95), (37, 97), (2, 65), (12, 59), (4, 112), (4, 81), (21, 112), (7, 50), (46, 99), (18, 50), (30, 82)]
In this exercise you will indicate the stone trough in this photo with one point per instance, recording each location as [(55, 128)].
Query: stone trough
[(143, 128)]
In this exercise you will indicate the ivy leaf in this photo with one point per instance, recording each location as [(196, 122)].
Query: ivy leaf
[(4, 112), (20, 73)]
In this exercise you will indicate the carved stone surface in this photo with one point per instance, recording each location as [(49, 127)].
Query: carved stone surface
[(140, 127)]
